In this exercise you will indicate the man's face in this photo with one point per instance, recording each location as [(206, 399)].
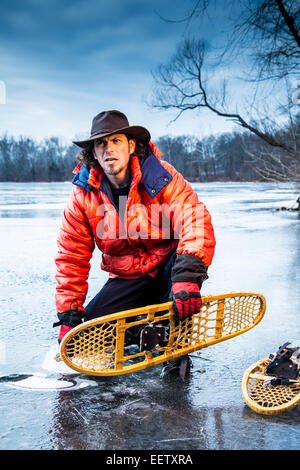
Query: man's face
[(113, 154)]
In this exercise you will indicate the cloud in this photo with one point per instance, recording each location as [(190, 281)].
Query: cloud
[(63, 62)]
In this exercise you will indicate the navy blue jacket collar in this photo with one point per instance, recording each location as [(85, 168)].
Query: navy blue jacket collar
[(154, 176)]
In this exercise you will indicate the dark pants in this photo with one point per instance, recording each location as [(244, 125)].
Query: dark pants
[(120, 294)]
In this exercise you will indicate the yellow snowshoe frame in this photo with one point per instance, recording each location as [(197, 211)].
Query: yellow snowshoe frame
[(97, 347), (264, 398)]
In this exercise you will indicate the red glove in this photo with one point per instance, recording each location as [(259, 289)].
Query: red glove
[(186, 299), (64, 329)]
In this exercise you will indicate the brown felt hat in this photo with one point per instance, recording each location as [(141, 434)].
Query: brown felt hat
[(114, 122)]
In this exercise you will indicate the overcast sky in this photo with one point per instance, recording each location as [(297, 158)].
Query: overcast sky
[(64, 61)]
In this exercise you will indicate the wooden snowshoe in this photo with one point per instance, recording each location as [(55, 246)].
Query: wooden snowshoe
[(271, 386), (98, 346)]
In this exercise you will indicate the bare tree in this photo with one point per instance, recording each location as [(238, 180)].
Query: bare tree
[(275, 164), (269, 31)]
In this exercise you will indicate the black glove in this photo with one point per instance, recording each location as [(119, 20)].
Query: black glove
[(67, 320)]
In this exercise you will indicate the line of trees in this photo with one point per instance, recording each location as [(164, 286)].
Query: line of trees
[(236, 156), (25, 160)]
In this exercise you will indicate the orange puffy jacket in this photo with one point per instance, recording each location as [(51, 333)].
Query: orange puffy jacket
[(162, 214)]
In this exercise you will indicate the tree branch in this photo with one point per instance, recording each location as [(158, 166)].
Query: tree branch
[(290, 22)]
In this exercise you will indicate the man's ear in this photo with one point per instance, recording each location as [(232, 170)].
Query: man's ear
[(132, 145)]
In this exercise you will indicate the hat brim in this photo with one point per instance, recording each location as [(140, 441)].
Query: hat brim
[(136, 132)]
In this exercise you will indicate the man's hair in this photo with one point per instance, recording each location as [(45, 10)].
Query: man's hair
[(86, 155)]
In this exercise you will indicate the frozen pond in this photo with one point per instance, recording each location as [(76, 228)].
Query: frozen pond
[(258, 249)]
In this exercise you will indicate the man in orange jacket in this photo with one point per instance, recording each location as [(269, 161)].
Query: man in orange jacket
[(155, 236)]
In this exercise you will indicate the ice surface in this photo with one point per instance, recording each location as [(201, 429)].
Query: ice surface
[(257, 250), (51, 363), (39, 382)]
